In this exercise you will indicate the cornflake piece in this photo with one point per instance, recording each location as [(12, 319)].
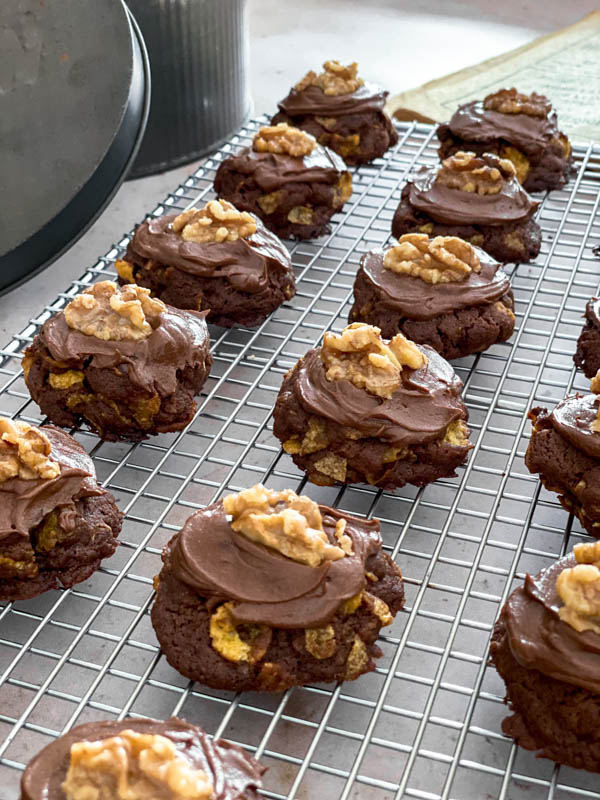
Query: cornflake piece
[(286, 522), (468, 172), (439, 260), (359, 354), (24, 452), (135, 766), (509, 101), (114, 313), (335, 79), (579, 589), (217, 221), (283, 139)]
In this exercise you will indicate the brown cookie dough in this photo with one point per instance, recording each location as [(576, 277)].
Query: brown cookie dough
[(587, 355)]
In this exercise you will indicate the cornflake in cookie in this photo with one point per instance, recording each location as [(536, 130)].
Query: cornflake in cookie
[(264, 590), (123, 362), (546, 648), (360, 409), (439, 291), (516, 126), (341, 111), (587, 355), (564, 450), (215, 259), (141, 759), (288, 180), (56, 522), (477, 198)]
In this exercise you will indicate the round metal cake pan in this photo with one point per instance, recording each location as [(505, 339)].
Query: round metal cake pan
[(75, 81)]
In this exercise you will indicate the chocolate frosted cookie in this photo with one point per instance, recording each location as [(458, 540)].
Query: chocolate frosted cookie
[(341, 111), (442, 292), (265, 590), (546, 648), (288, 180), (363, 410), (565, 451), (520, 127), (215, 259), (141, 759), (476, 198), (56, 522), (587, 355), (128, 365)]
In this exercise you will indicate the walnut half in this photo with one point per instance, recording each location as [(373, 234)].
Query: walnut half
[(335, 79), (468, 172), (283, 139), (509, 101), (359, 355), (217, 221), (114, 313), (136, 766), (24, 452), (439, 260), (286, 522)]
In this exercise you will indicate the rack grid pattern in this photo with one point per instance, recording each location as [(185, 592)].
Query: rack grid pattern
[(426, 723)]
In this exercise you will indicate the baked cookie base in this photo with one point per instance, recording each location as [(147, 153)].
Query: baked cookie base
[(559, 720), (73, 560), (514, 242), (587, 355), (454, 335), (181, 620), (357, 138), (564, 469)]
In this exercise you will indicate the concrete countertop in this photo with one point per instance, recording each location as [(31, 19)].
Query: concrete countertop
[(399, 44)]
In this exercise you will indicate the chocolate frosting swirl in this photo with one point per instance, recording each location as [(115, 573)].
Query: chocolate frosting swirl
[(180, 340), (418, 412), (232, 772), (24, 503), (314, 101), (456, 207), (416, 299), (540, 640), (573, 417), (267, 587), (245, 263), (472, 122), (271, 171)]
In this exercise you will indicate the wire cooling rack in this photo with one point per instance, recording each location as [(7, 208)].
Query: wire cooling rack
[(426, 723)]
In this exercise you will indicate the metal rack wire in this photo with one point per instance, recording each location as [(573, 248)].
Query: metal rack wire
[(426, 724)]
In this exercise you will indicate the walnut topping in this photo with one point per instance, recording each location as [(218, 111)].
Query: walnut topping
[(24, 452), (595, 387), (283, 139), (509, 101), (114, 313), (287, 522), (439, 260), (359, 354), (471, 173), (579, 589), (136, 766), (334, 80), (218, 221)]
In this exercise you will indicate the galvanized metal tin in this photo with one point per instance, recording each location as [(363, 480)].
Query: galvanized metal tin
[(199, 62)]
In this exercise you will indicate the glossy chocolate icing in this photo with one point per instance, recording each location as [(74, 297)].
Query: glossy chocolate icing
[(230, 769), (418, 412), (573, 417), (314, 101), (180, 340), (268, 588), (24, 503), (472, 122), (457, 207), (271, 171), (540, 640), (416, 299), (245, 264)]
